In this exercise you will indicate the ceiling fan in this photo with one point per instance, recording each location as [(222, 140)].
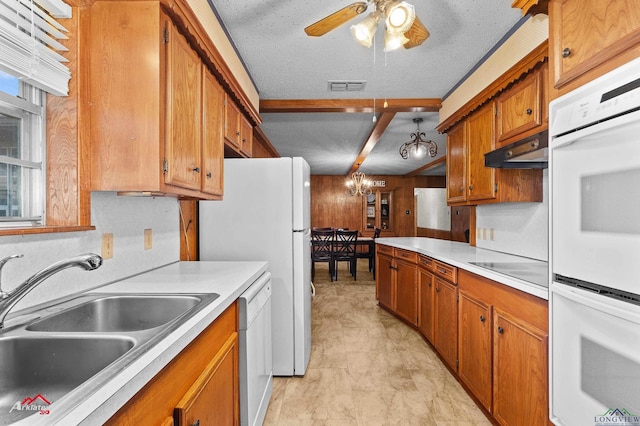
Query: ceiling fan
[(403, 27)]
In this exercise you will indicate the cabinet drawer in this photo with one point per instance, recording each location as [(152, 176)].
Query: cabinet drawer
[(426, 262), (407, 255), (382, 249), (448, 272)]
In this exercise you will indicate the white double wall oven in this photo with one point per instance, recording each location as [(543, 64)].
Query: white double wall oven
[(595, 251)]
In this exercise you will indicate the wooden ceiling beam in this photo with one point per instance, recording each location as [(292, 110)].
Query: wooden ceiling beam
[(350, 105), (419, 170), (378, 129)]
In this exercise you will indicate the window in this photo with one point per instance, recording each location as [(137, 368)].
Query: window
[(21, 153), (30, 67)]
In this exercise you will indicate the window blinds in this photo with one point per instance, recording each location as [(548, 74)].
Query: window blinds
[(29, 45)]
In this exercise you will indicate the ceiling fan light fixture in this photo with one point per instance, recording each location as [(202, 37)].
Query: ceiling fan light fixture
[(400, 17), (394, 41), (418, 147), (364, 31)]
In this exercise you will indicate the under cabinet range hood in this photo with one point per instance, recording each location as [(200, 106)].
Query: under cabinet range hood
[(528, 153)]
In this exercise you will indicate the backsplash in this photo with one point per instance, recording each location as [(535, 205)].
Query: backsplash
[(518, 228), (125, 217)]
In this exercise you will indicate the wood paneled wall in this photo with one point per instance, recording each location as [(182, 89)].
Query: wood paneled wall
[(332, 205)]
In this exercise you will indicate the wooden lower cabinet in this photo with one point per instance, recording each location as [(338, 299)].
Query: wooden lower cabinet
[(446, 322), (474, 347), (407, 291), (209, 401), (503, 359), (426, 300), (384, 280), (520, 381), (201, 382), (493, 337)]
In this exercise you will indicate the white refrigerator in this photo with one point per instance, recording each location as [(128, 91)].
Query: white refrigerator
[(265, 215)]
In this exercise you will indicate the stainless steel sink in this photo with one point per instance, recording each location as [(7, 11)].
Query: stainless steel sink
[(67, 351), (120, 313), (42, 369)]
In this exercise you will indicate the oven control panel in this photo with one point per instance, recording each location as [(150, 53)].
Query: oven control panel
[(613, 94)]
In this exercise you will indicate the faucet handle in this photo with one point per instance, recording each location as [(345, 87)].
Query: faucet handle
[(2, 262)]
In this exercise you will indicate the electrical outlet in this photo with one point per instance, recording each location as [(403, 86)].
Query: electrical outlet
[(478, 233), (148, 239), (107, 246), (491, 234), (484, 233)]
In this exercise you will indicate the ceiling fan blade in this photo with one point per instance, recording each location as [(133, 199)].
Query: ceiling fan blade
[(416, 34), (336, 19)]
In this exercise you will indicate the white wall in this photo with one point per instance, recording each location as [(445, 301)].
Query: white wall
[(518, 228), (125, 217)]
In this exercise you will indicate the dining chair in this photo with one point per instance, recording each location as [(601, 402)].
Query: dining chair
[(344, 250), (322, 250)]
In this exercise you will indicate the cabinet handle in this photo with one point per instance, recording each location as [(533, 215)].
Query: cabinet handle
[(500, 330), (438, 289), (566, 52), (442, 271), (482, 318), (197, 423), (237, 133), (470, 187), (529, 111), (429, 285), (209, 175), (461, 189), (196, 169)]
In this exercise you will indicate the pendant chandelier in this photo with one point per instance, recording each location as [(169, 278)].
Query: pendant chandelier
[(359, 184), (418, 147)]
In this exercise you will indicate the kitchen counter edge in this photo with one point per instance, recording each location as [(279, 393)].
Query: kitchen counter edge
[(461, 254)]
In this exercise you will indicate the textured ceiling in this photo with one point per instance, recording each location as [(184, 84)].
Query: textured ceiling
[(285, 63)]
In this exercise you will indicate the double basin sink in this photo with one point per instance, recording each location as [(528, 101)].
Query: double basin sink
[(67, 351)]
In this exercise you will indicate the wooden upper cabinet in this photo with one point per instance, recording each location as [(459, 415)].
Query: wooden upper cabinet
[(183, 117), (212, 135), (481, 180), (146, 116), (522, 109), (246, 137), (232, 115), (456, 163), (590, 38)]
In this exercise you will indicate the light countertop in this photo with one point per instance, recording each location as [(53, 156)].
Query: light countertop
[(530, 275), (228, 279)]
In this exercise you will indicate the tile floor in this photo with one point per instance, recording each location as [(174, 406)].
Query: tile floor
[(367, 367)]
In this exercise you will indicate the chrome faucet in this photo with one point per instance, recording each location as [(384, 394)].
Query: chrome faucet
[(8, 300)]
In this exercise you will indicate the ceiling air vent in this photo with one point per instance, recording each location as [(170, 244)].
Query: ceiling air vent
[(346, 86)]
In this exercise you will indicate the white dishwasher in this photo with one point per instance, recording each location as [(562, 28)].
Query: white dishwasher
[(256, 372)]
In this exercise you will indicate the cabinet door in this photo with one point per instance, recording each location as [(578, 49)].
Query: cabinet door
[(480, 179), (519, 108), (246, 136), (232, 122), (426, 303), (407, 291), (384, 281), (456, 163), (446, 323), (474, 347), (213, 398), (587, 34), (520, 392), (183, 125), (212, 138)]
